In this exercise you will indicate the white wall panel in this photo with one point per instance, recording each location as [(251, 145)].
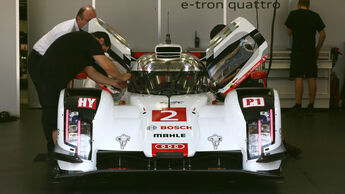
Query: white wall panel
[(135, 20), (9, 56)]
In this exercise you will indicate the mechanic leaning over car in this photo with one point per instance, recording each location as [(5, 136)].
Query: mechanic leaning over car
[(69, 55), (84, 15), (303, 24)]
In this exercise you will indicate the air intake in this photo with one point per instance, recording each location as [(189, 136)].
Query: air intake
[(168, 51)]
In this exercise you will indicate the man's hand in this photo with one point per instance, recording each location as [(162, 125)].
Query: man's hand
[(119, 84), (322, 37), (289, 31), (125, 76), (317, 54)]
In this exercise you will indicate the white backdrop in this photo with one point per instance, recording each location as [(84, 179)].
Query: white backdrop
[(137, 20), (9, 57)]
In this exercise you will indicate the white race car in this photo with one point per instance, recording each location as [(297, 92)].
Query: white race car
[(169, 121)]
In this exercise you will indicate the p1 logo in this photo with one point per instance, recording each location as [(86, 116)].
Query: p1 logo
[(253, 102), (169, 115)]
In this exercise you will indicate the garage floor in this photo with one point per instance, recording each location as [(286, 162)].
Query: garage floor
[(320, 168)]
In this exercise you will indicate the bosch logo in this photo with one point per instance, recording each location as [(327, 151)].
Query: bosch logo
[(169, 146), (176, 127)]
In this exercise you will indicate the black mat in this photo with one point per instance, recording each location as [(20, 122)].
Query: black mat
[(42, 157)]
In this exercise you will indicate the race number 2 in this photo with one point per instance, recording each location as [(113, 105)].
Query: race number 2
[(253, 102), (169, 115)]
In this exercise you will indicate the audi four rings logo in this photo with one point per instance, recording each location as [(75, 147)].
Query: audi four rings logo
[(169, 146)]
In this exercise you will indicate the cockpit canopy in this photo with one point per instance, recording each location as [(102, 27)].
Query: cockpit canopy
[(178, 75)]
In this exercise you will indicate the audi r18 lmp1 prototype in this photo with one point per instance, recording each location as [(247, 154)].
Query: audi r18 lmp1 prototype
[(169, 121)]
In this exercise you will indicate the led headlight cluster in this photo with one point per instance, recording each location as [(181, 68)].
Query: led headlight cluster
[(78, 134), (260, 134)]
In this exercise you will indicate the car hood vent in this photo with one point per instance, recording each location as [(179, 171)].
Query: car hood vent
[(168, 51)]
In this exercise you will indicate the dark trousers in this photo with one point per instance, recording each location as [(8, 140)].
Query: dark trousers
[(48, 98)]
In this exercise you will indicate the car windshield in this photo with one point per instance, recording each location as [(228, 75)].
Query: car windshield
[(173, 76)]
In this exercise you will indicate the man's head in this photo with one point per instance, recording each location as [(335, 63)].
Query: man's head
[(303, 3), (84, 15), (215, 30), (103, 39)]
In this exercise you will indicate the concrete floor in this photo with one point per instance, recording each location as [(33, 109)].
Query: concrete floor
[(321, 168)]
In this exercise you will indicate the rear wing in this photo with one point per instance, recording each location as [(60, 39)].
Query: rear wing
[(235, 52)]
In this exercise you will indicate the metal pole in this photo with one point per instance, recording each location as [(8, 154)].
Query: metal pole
[(94, 4), (17, 61), (225, 12), (290, 37), (159, 16)]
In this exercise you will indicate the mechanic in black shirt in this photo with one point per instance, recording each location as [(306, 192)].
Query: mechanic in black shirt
[(303, 24), (69, 55)]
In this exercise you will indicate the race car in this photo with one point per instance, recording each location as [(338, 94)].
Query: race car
[(170, 120)]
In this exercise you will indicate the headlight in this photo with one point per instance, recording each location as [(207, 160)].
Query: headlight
[(78, 134), (260, 134)]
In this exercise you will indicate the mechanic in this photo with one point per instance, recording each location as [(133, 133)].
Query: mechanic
[(84, 15), (303, 24), (69, 55)]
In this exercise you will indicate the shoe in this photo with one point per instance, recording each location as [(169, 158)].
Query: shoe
[(310, 108), (295, 110), (297, 107)]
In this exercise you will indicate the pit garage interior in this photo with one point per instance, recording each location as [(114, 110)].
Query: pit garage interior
[(315, 162)]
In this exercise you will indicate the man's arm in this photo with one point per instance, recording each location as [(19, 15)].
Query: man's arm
[(289, 31), (110, 68), (100, 78), (322, 37)]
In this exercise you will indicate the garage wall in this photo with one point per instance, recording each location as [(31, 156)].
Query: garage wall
[(137, 20), (9, 57)]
